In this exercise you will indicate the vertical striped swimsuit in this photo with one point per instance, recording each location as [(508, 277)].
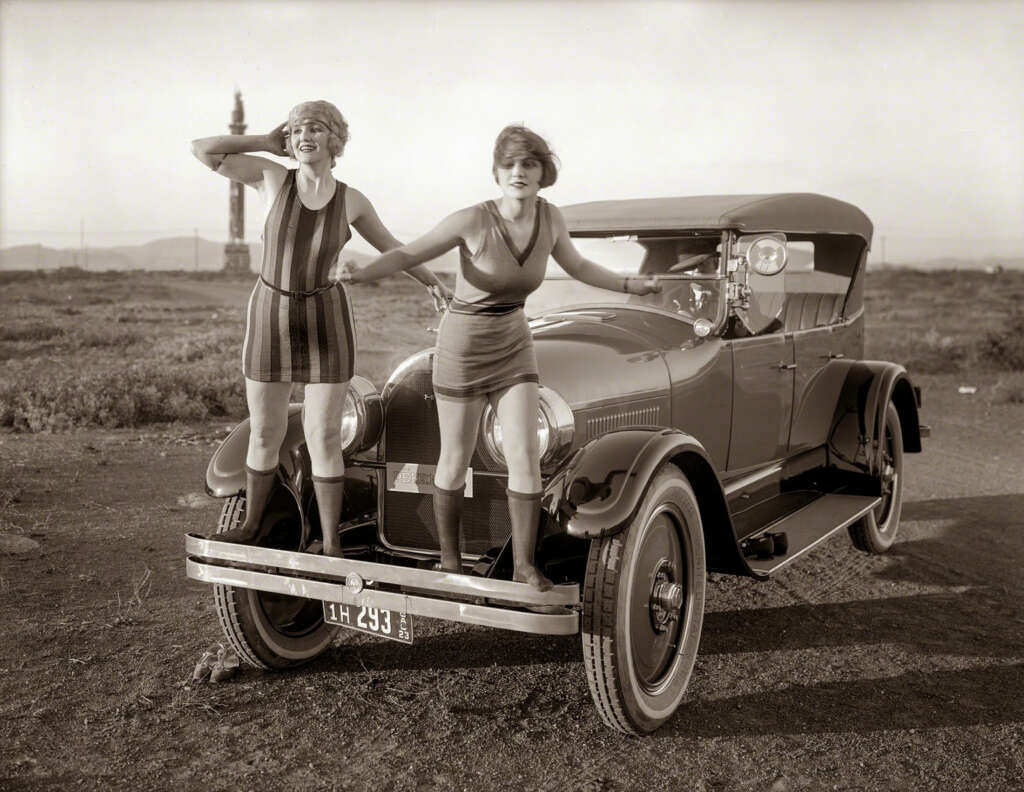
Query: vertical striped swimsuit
[(299, 325), (484, 343)]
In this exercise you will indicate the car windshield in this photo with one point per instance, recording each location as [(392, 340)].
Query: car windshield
[(687, 267)]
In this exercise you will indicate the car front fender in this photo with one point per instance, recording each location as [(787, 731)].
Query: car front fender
[(599, 489), (225, 474)]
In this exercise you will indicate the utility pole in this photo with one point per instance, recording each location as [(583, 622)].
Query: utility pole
[(195, 237), (81, 241)]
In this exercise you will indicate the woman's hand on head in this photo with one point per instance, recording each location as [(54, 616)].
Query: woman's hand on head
[(277, 137)]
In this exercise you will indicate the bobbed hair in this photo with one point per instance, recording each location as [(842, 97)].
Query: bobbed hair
[(328, 115), (517, 140)]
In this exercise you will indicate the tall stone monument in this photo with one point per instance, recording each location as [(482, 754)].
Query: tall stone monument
[(236, 252)]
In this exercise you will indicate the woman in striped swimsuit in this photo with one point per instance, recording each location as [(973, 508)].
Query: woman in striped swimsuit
[(484, 347), (299, 325)]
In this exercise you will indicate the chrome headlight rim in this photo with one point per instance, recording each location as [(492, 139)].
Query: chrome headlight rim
[(363, 402), (560, 425)]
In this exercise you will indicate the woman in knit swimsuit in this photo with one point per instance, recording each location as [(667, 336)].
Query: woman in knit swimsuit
[(299, 325), (484, 347)]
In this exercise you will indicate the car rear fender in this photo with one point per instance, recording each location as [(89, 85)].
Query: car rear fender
[(225, 475), (600, 488), (869, 387)]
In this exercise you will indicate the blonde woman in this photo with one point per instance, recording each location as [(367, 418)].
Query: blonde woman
[(299, 325)]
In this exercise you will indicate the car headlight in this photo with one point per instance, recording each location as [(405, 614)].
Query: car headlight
[(555, 429), (362, 418), (767, 254)]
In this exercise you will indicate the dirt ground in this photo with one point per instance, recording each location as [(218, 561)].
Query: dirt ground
[(897, 672)]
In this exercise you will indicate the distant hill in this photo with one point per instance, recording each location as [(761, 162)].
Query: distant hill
[(175, 253)]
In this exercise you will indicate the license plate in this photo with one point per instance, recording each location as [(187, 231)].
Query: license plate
[(396, 625)]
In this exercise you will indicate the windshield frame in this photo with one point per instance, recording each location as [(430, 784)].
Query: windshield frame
[(721, 275)]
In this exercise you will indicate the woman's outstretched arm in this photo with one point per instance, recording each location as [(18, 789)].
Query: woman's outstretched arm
[(227, 154), (592, 273), (447, 234), (370, 227)]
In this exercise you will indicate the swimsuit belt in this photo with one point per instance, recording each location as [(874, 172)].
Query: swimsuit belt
[(461, 307), (299, 295)]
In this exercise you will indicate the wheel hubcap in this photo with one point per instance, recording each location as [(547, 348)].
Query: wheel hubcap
[(658, 596), (666, 597)]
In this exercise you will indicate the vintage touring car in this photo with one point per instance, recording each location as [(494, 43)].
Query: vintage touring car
[(726, 424)]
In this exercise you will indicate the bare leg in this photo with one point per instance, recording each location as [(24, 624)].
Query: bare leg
[(459, 420), (321, 422), (517, 411), (268, 422)]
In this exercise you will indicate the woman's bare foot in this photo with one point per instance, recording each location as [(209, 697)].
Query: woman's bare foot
[(533, 576)]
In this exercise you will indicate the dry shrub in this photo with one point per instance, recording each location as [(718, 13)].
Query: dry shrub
[(929, 353), (102, 337), (30, 332), (1004, 348), (130, 395)]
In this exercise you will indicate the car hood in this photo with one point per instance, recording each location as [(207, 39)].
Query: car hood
[(593, 355)]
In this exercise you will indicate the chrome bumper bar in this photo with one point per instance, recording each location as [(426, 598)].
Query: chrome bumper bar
[(352, 582)]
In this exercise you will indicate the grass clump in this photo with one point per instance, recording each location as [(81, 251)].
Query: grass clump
[(1004, 349), (130, 395)]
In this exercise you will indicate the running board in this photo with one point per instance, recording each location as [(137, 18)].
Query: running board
[(811, 525)]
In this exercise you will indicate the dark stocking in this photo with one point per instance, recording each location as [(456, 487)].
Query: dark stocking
[(524, 509), (258, 486), (447, 516), (329, 492)]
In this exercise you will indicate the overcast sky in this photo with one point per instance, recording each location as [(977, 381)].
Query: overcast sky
[(912, 111)]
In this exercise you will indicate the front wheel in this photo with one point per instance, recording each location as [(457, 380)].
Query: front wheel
[(643, 607), (270, 631), (876, 531)]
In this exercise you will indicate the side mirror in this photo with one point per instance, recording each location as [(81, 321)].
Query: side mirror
[(765, 254)]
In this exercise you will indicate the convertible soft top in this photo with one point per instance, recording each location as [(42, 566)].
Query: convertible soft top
[(799, 213)]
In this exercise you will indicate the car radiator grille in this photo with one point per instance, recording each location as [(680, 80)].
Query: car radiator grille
[(411, 436)]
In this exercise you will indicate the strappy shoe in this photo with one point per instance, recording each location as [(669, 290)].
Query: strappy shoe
[(205, 665), (225, 667)]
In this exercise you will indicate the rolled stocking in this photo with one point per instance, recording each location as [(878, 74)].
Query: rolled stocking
[(258, 486), (329, 493), (524, 511), (447, 516)]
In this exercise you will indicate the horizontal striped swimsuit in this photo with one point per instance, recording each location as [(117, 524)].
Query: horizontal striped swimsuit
[(299, 325), (484, 342)]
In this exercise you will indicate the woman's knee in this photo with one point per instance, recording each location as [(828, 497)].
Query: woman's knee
[(266, 432), (452, 466), (323, 438)]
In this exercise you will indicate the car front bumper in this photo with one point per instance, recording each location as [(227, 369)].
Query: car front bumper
[(420, 592)]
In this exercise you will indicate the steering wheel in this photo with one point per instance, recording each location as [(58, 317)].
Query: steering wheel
[(692, 262)]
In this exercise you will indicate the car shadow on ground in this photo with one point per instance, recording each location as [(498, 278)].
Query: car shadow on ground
[(931, 624), (915, 700), (472, 647)]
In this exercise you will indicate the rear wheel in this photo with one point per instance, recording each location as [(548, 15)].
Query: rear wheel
[(643, 607), (270, 631), (876, 531)]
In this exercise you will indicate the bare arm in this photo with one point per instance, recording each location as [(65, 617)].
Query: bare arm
[(592, 273), (446, 235), (370, 227), (228, 155)]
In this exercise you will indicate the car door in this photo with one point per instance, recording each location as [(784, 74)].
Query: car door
[(763, 377)]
